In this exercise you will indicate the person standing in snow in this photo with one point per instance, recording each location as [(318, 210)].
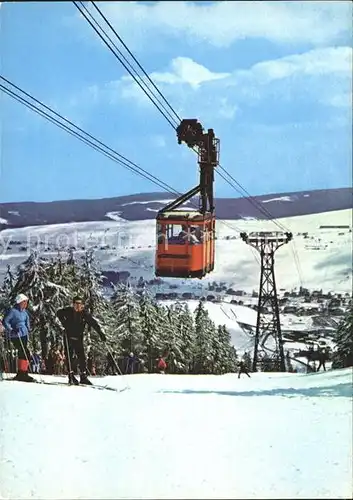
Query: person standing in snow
[(17, 327), (322, 358), (132, 362), (243, 369), (161, 365), (35, 362), (74, 320)]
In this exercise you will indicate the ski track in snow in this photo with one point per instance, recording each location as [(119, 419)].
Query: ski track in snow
[(274, 436)]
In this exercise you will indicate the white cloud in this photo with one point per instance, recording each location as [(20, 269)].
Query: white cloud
[(182, 77), (325, 74), (315, 62), (223, 23), (185, 70)]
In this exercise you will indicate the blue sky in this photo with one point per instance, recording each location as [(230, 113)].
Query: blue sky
[(272, 79)]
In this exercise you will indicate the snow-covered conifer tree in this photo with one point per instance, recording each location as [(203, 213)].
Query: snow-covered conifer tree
[(6, 290), (90, 286), (226, 355), (186, 332), (126, 333), (343, 355), (173, 338), (205, 332), (152, 330)]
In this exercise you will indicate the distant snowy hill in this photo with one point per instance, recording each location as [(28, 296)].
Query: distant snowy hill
[(322, 243), (145, 206)]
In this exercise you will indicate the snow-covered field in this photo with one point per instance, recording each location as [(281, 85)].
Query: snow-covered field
[(270, 436), (324, 257)]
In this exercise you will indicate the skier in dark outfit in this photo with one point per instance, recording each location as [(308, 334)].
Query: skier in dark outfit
[(322, 357), (74, 320), (243, 369)]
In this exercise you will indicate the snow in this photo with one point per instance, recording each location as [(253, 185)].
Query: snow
[(114, 215), (281, 198), (146, 202), (132, 249), (270, 436)]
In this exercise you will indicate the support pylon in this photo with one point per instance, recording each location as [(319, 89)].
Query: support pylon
[(266, 243)]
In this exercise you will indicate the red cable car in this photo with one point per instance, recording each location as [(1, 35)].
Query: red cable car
[(186, 238)]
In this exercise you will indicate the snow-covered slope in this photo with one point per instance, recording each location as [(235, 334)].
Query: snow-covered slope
[(323, 255), (270, 436)]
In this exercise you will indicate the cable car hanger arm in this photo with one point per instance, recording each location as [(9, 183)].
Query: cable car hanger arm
[(191, 132), (179, 201)]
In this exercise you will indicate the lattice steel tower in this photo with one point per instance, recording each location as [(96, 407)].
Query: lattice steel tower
[(266, 243)]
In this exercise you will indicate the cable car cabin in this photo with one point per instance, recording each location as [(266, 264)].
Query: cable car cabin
[(186, 239), (185, 244)]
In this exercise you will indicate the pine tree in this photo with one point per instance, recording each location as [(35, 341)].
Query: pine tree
[(90, 287), (186, 331), (204, 333), (343, 356), (153, 343), (226, 355), (6, 291), (217, 351), (174, 338), (126, 334)]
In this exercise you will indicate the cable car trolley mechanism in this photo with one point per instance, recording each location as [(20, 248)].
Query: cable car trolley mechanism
[(186, 238)]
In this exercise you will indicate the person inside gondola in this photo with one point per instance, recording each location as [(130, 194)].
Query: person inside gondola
[(188, 235), (197, 232)]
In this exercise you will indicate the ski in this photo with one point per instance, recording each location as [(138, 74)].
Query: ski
[(94, 386), (66, 384)]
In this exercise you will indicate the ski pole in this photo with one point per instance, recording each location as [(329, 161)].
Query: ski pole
[(115, 363), (67, 352), (112, 357)]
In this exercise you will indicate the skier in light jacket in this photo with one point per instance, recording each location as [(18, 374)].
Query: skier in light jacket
[(17, 327)]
